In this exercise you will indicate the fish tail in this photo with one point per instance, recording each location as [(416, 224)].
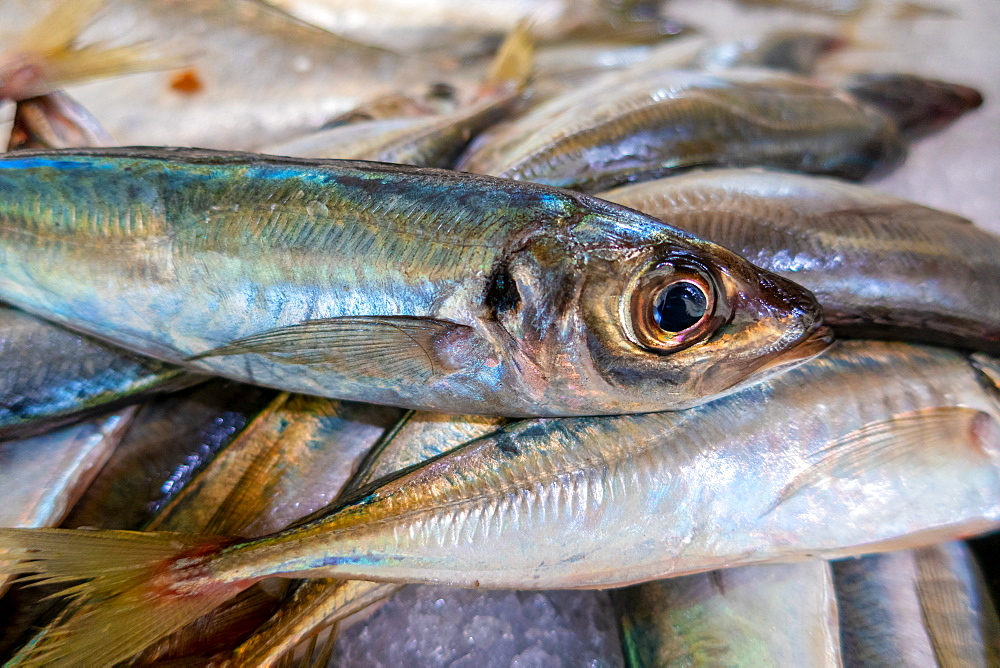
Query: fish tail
[(128, 589), (47, 56), (514, 62)]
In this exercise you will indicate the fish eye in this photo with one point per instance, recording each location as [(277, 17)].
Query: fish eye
[(673, 306)]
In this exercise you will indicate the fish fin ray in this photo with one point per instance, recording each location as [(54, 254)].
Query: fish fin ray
[(52, 43), (882, 441), (124, 602), (514, 61), (379, 346)]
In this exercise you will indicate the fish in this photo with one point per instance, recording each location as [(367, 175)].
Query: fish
[(318, 604), (794, 51), (53, 376), (55, 121), (920, 106), (43, 476), (49, 54), (658, 123), (390, 284), (880, 266), (241, 73), (904, 440), (432, 140), (767, 615), (922, 607), (421, 26), (291, 459), (172, 440)]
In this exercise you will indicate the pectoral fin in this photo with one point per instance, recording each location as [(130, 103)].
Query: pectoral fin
[(917, 435), (372, 346)]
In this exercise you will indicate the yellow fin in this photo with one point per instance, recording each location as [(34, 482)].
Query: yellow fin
[(514, 62), (129, 596), (375, 346), (315, 605), (917, 435), (47, 56)]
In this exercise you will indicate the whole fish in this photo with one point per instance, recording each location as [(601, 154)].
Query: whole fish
[(880, 266), (903, 440), (924, 607), (768, 615), (391, 284), (660, 122), (53, 376)]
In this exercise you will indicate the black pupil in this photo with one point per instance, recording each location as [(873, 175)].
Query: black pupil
[(680, 306)]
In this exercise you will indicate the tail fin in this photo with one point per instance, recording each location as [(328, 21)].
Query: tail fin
[(137, 588), (47, 56), (513, 64)]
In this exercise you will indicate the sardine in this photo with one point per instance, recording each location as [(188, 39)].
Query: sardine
[(391, 284), (903, 440), (880, 266), (795, 51), (661, 122), (925, 607), (768, 615), (52, 376)]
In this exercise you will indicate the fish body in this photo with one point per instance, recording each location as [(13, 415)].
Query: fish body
[(430, 141), (171, 441), (53, 376), (561, 503), (909, 450), (43, 477), (319, 603), (768, 615), (879, 265), (923, 607), (242, 73), (390, 284), (659, 122)]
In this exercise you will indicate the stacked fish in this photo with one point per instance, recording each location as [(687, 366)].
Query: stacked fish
[(612, 327)]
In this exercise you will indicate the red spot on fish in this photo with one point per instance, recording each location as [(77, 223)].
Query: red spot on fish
[(186, 82)]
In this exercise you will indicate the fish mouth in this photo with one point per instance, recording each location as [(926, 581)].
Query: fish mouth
[(807, 348)]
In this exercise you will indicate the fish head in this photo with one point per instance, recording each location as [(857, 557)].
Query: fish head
[(621, 313)]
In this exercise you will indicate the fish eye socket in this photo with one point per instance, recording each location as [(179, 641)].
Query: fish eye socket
[(673, 307)]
